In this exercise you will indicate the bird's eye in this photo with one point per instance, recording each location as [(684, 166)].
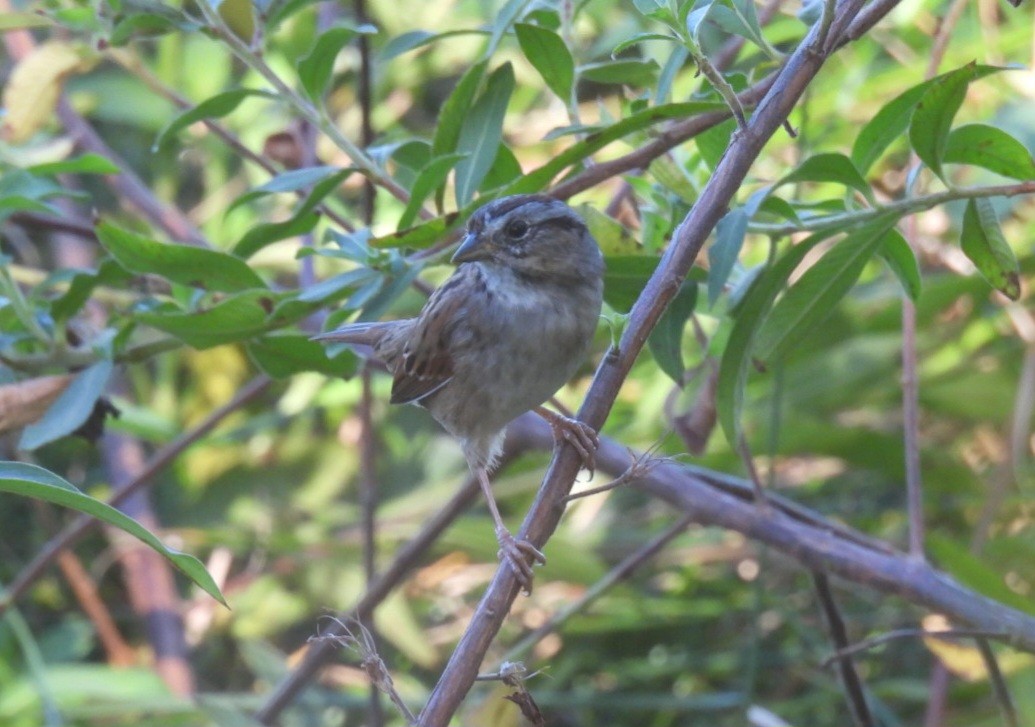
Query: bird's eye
[(517, 229)]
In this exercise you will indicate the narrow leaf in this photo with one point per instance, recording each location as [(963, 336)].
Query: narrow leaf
[(428, 179), (482, 132), (896, 252), (547, 53), (983, 242), (456, 109), (183, 264), (19, 478), (666, 340), (830, 167), (215, 107), (282, 355), (85, 164), (722, 255), (813, 297), (235, 318), (314, 71), (992, 148), (71, 410), (932, 118), (266, 234), (627, 72), (750, 313)]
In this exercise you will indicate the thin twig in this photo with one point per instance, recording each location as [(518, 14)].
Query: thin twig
[(854, 689), (867, 644), (995, 677)]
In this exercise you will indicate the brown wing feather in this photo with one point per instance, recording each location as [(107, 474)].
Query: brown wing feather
[(426, 366)]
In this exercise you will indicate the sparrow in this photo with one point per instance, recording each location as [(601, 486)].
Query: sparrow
[(499, 337)]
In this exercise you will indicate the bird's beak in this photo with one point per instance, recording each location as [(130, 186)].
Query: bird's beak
[(474, 247)]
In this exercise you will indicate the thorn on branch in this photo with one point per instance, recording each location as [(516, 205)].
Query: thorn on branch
[(370, 660)]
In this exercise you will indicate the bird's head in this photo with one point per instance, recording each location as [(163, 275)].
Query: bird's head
[(535, 236)]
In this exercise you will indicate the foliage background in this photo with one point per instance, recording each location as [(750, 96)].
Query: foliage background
[(275, 497)]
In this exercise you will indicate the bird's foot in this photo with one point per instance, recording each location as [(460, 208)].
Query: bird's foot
[(581, 436), (520, 555)]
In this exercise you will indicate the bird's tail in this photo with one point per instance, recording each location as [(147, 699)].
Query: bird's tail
[(363, 334)]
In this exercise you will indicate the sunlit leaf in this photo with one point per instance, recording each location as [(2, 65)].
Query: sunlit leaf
[(85, 164), (830, 167), (35, 83), (235, 318), (281, 355), (932, 118)]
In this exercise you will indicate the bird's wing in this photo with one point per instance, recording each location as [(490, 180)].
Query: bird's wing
[(426, 364)]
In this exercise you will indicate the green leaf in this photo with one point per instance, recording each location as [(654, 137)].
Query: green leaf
[(213, 108), (723, 253), (265, 234), (430, 177), (537, 179), (625, 277), (896, 252), (82, 285), (813, 297), (293, 181), (71, 409), (236, 318), (547, 53), (85, 164), (626, 72), (455, 110), (420, 236), (666, 340), (975, 573), (932, 118), (713, 142), (334, 286), (482, 132), (314, 71), (749, 316), (406, 42), (886, 125), (20, 21), (183, 264), (640, 38), (983, 242), (992, 148), (505, 17), (830, 167), (25, 479), (281, 355)]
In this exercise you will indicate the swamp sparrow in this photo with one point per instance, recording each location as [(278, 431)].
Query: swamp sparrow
[(499, 337)]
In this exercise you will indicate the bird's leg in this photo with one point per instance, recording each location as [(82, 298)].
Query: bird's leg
[(521, 555), (580, 436)]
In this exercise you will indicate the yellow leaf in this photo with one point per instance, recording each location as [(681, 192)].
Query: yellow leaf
[(33, 89)]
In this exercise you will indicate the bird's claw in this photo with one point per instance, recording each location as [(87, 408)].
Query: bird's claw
[(520, 555), (581, 436)]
